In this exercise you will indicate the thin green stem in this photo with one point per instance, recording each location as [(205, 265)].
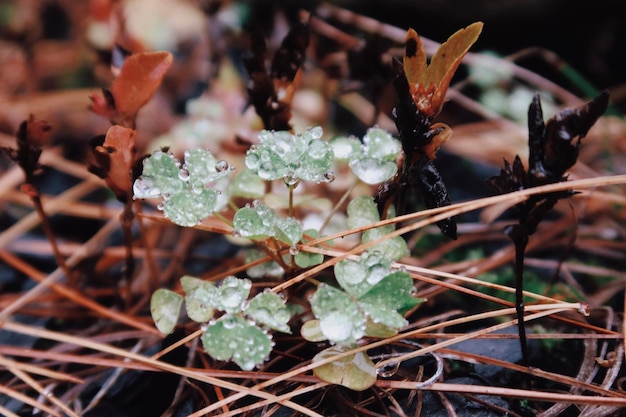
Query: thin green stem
[(340, 203)]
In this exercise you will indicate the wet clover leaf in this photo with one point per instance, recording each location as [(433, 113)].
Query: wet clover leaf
[(165, 308), (260, 222), (269, 310), (186, 191), (288, 230), (266, 269), (362, 211), (249, 223), (281, 155), (233, 337), (232, 294), (385, 300), (355, 371), (339, 317), (376, 161), (373, 298), (346, 148), (357, 277), (201, 299)]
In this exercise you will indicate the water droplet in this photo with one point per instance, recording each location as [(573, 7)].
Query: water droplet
[(235, 233), (183, 174), (222, 165), (144, 188), (294, 250), (160, 206), (328, 176), (291, 179), (316, 132)]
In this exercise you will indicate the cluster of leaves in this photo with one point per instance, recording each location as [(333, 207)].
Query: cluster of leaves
[(371, 298), (240, 333), (188, 195), (187, 190)]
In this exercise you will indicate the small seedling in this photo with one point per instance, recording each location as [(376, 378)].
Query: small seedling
[(371, 297)]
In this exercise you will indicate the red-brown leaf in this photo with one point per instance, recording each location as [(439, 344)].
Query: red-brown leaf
[(140, 77), (116, 157)]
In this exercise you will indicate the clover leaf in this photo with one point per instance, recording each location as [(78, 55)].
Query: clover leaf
[(291, 157), (188, 196)]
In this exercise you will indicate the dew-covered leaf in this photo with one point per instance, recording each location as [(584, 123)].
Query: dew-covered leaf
[(379, 144), (281, 155), (358, 276), (346, 148), (355, 371), (159, 177), (288, 230), (165, 308), (385, 300), (380, 330), (267, 269), (362, 211), (312, 332), (188, 208), (340, 318), (204, 168), (189, 283), (233, 292), (393, 248), (250, 224), (268, 309), (187, 191), (373, 171), (376, 162), (201, 301), (232, 337)]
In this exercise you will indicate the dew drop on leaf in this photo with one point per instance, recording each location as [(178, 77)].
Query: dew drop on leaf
[(222, 166)]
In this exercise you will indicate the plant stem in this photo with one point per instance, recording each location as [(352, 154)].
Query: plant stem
[(33, 193), (126, 218), (519, 236), (291, 188), (341, 201)]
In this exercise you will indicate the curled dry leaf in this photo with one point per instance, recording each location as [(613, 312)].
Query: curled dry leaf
[(115, 158), (30, 136), (139, 79)]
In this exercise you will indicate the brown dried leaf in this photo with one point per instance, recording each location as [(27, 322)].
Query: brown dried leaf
[(115, 158), (140, 77)]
